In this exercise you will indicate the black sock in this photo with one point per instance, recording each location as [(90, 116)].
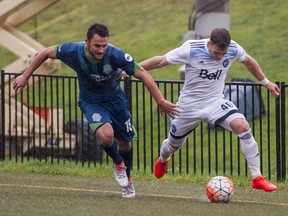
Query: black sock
[(113, 152), (128, 160)]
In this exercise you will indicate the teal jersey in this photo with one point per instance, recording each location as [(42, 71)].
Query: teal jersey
[(97, 80), (101, 98)]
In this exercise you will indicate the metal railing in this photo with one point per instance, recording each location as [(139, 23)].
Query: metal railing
[(44, 122)]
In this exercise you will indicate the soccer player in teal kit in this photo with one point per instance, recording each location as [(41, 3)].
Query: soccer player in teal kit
[(98, 64)]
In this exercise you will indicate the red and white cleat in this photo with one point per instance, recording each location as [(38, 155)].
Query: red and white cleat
[(262, 184), (160, 168)]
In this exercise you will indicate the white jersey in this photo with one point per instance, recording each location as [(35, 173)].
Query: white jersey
[(204, 76)]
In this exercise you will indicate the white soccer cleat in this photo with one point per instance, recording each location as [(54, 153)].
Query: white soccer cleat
[(129, 191), (120, 174)]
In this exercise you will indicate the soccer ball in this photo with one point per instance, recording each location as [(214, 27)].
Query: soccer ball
[(220, 189)]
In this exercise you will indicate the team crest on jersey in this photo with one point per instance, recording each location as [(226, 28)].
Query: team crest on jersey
[(96, 117), (173, 128), (107, 69), (225, 63), (128, 57)]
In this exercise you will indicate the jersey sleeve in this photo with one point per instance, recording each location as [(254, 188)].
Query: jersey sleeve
[(59, 51), (241, 54), (62, 50), (69, 53), (125, 61), (179, 55)]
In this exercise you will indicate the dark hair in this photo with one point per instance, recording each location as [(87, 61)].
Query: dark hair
[(220, 37), (98, 29)]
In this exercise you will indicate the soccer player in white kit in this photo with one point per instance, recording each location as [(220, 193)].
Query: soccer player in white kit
[(207, 62)]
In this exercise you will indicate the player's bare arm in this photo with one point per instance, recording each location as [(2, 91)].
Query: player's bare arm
[(165, 105), (21, 81), (154, 62), (253, 67)]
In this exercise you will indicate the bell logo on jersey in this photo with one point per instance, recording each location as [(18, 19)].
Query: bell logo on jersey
[(211, 76)]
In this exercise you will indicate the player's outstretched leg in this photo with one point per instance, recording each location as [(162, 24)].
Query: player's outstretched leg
[(161, 164), (129, 191), (119, 165), (262, 184)]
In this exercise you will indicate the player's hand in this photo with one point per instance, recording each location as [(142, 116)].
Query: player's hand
[(169, 108), (120, 73), (20, 83), (273, 88)]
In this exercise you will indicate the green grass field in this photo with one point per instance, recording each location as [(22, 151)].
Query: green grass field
[(37, 194)]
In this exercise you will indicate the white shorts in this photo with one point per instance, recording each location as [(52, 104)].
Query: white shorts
[(219, 113)]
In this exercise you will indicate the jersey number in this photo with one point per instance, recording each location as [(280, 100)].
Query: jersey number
[(128, 126), (226, 105)]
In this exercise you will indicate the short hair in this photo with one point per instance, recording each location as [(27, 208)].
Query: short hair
[(220, 37), (98, 29)]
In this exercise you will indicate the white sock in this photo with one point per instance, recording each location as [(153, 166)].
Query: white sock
[(255, 172), (250, 150), (166, 151)]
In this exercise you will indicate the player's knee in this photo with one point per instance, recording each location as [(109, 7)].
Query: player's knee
[(239, 125), (106, 135)]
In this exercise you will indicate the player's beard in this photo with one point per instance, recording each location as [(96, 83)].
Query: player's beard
[(96, 55)]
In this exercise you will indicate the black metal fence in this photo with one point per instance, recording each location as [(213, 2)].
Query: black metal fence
[(44, 123)]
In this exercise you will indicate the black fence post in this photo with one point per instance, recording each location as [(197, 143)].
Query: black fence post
[(283, 130), (127, 90), (2, 117), (278, 138)]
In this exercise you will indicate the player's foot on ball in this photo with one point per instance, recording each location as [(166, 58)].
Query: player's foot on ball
[(262, 184), (160, 168)]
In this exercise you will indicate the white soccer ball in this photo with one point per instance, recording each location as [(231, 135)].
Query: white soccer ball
[(220, 189)]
